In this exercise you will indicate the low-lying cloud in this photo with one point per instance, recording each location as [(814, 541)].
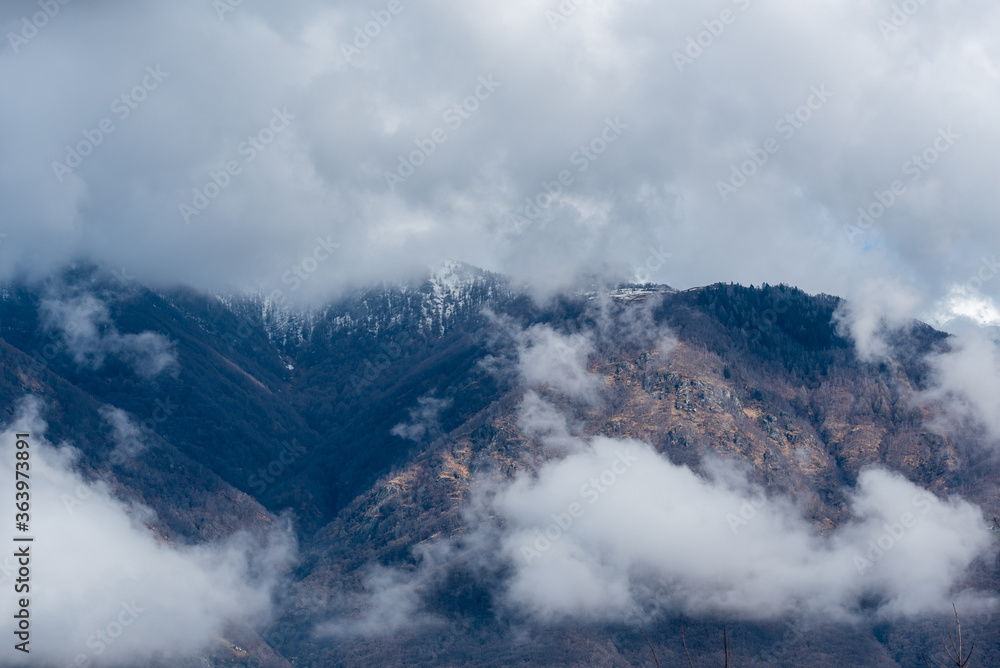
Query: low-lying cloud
[(559, 361), (84, 326), (425, 420), (590, 530), (964, 381), (392, 599), (127, 436), (600, 523), (109, 589), (879, 309), (603, 519), (592, 533)]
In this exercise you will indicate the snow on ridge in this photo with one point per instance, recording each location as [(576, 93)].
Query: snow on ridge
[(451, 290)]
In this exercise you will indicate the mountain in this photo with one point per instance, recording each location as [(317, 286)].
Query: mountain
[(380, 424)]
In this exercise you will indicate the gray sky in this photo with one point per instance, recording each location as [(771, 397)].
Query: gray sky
[(665, 119)]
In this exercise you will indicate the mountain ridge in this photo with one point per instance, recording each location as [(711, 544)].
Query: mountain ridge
[(373, 420)]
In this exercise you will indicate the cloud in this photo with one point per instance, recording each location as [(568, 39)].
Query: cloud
[(391, 599), (965, 381), (541, 420), (964, 303), (425, 420), (630, 325), (602, 529), (85, 327), (547, 358), (589, 531), (654, 187), (607, 528), (106, 587), (128, 437), (880, 309)]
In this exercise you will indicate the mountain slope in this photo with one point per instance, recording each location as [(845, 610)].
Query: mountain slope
[(379, 418)]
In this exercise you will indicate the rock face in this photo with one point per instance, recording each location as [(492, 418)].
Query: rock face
[(757, 376)]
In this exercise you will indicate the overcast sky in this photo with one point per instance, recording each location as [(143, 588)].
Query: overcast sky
[(668, 98)]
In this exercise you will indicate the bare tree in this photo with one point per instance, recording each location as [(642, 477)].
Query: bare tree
[(955, 654), (684, 641), (725, 645), (655, 660)]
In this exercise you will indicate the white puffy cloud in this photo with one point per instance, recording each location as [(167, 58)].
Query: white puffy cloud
[(590, 531), (964, 382), (107, 588), (559, 361)]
